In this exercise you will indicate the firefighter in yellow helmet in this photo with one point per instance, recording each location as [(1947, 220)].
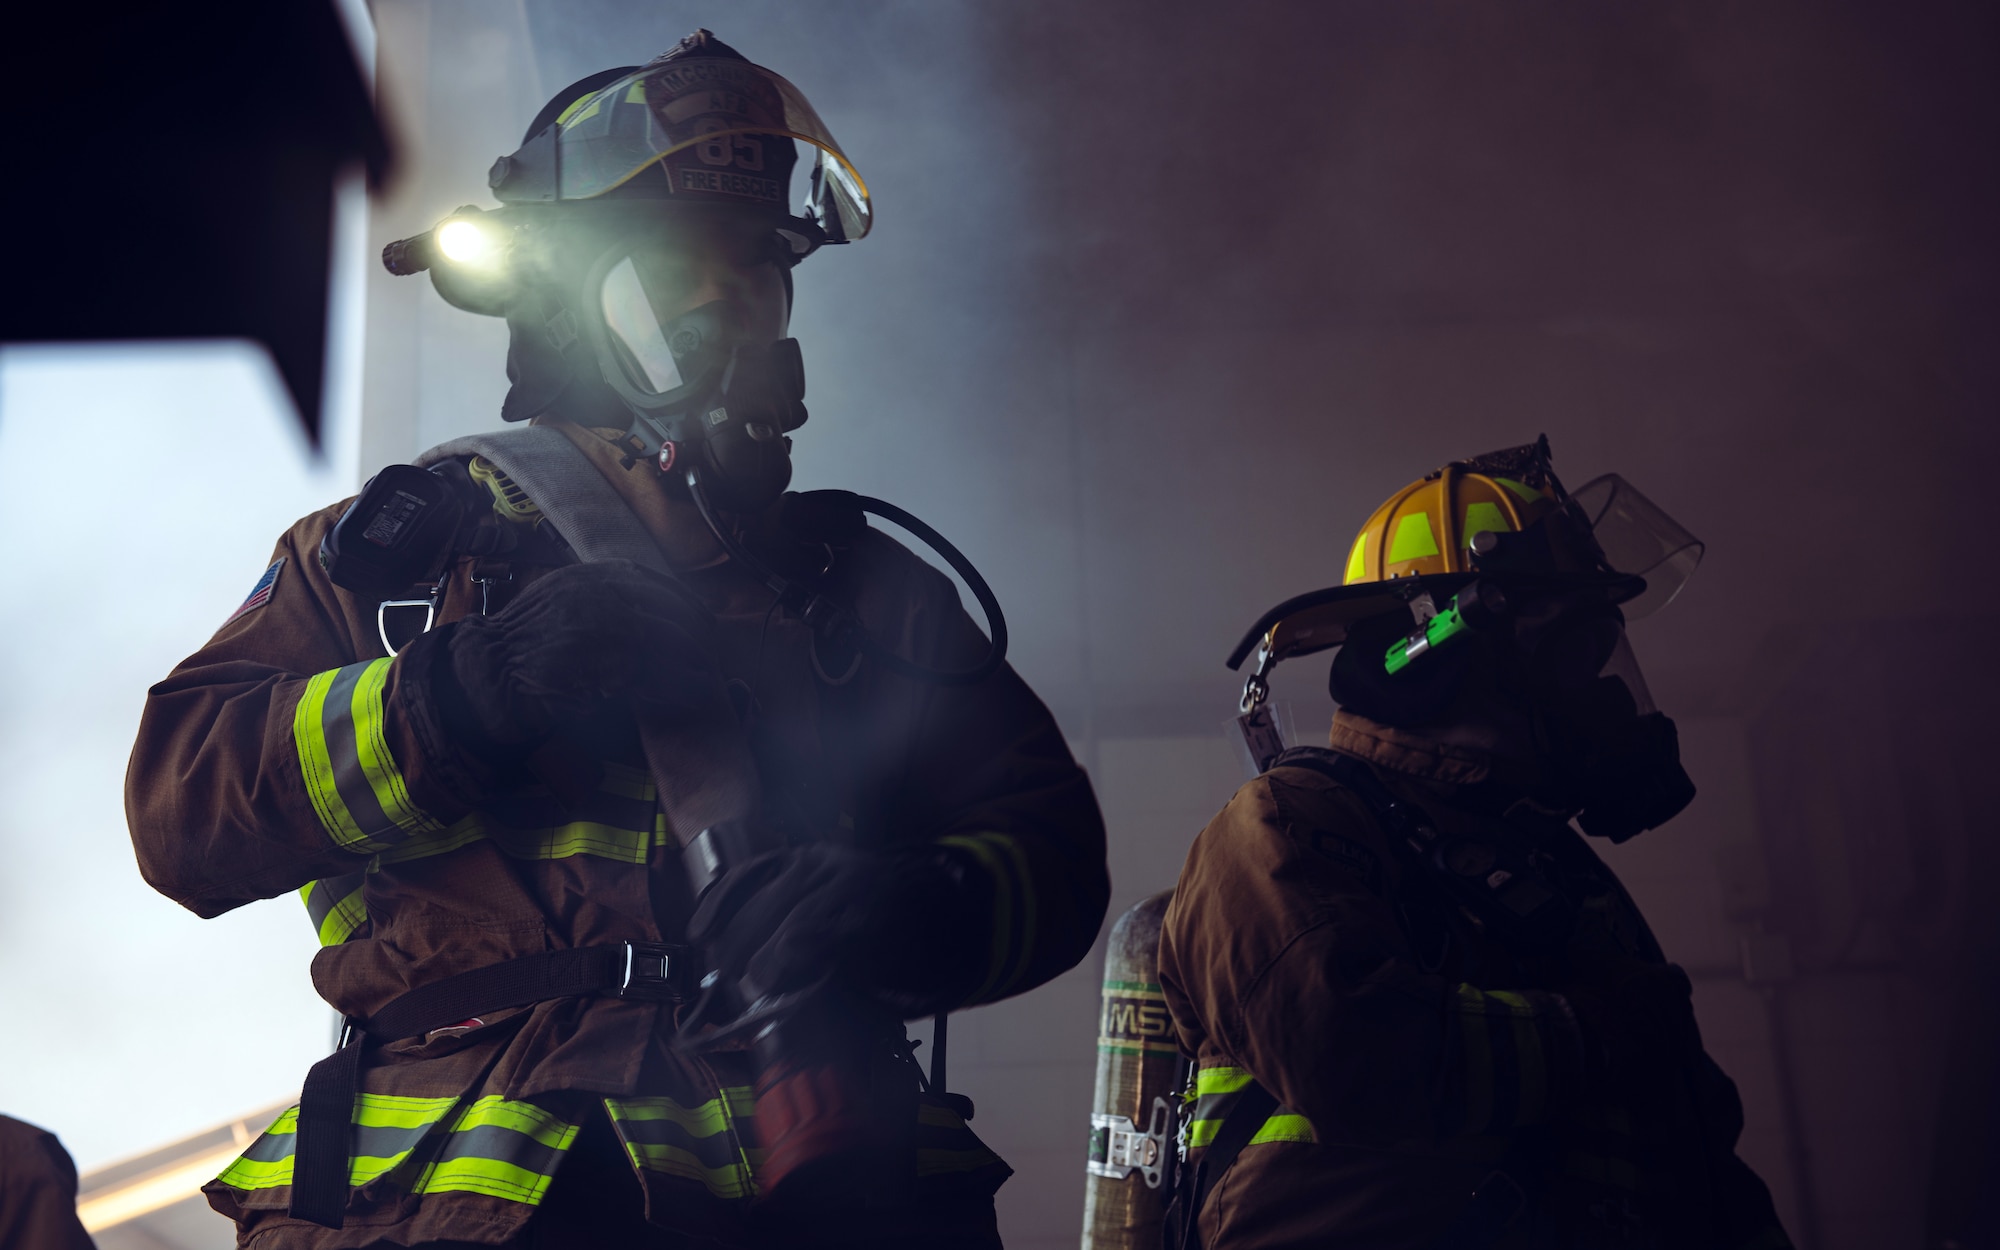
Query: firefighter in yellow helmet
[(1422, 1012)]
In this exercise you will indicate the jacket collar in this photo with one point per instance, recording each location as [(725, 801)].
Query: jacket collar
[(673, 523), (1465, 776)]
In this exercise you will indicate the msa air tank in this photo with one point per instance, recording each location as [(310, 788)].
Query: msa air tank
[(1134, 1116)]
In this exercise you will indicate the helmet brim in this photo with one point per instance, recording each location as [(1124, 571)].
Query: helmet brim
[(1320, 619)]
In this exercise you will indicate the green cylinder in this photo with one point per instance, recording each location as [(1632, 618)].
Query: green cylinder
[(1134, 1113)]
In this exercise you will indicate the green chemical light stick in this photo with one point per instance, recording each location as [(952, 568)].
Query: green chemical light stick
[(1473, 608)]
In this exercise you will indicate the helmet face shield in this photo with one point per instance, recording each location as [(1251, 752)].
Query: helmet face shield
[(1639, 538), (714, 124)]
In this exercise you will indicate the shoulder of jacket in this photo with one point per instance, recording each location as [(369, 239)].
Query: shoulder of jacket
[(1305, 788)]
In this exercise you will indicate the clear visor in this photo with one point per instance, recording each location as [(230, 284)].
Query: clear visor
[(1638, 537), (701, 103)]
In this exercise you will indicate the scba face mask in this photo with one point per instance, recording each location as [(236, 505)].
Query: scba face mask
[(709, 391)]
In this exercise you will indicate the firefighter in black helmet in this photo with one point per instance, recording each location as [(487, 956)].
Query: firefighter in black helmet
[(668, 760)]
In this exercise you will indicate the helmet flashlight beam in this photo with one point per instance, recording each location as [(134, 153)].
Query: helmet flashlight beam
[(465, 242)]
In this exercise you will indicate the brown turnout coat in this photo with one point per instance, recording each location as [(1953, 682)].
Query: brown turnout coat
[(1413, 1053), (283, 757)]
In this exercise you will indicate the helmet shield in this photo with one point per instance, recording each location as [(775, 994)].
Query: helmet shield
[(1638, 537), (708, 121)]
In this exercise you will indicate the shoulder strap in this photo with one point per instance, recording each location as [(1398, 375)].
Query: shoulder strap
[(567, 487)]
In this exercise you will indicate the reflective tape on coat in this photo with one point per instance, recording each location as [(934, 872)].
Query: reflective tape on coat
[(1217, 1090), (351, 776)]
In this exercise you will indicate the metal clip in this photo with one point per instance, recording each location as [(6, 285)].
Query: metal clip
[(651, 974), (1118, 1148), (1261, 736), (429, 606)]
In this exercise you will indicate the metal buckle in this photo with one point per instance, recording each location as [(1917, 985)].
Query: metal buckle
[(1118, 1148), (651, 972)]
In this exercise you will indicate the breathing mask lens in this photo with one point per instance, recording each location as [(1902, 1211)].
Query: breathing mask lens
[(636, 337), (1638, 537)]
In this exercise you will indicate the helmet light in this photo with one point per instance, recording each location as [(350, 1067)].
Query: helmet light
[(466, 242)]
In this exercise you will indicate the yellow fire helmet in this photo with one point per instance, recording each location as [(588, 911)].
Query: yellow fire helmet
[(1426, 540)]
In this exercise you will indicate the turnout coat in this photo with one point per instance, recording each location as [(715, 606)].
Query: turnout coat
[(1412, 1051), (292, 753)]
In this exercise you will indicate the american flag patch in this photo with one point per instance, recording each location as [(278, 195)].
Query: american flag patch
[(260, 594)]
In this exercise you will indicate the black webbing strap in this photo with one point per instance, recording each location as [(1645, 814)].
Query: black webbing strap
[(1254, 1105), (326, 1104)]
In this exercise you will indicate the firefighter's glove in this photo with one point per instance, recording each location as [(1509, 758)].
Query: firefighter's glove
[(1635, 1013), (904, 927), (575, 640), (1641, 1045)]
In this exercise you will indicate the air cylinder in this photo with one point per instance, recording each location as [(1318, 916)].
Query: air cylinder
[(1134, 1115)]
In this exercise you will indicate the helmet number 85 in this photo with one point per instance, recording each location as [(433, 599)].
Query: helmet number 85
[(742, 151)]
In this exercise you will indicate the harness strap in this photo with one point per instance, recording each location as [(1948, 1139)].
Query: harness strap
[(566, 486), (646, 971)]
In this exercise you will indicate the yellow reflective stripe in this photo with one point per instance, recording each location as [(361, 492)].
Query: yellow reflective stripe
[(492, 1177), (1219, 1085), (741, 1100), (1528, 1059), (582, 837), (1003, 908), (1006, 862), (460, 1168), (349, 914), (539, 1124), (341, 741), (468, 830), (1527, 493), (1478, 1057), (1025, 878), (316, 765), (377, 764), (252, 1174), (705, 1120), (397, 1111), (710, 1148), (728, 1181), (1284, 1127), (1220, 1080)]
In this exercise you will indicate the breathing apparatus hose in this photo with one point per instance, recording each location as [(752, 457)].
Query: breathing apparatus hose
[(826, 616)]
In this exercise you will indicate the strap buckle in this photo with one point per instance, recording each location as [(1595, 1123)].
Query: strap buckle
[(653, 972), (1118, 1148)]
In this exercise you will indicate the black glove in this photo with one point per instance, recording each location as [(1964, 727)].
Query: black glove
[(908, 928), (574, 639), (1634, 1012)]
